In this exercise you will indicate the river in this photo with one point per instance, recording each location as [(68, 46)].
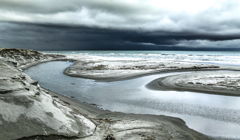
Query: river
[(213, 115)]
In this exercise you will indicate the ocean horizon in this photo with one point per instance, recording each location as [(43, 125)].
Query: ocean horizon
[(211, 57)]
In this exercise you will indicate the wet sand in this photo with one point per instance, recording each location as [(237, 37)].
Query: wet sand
[(133, 126)]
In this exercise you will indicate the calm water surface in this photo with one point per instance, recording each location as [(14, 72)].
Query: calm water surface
[(213, 115)]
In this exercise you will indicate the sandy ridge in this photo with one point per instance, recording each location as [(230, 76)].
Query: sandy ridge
[(102, 68)]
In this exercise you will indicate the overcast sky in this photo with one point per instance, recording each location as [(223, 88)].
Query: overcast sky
[(120, 24)]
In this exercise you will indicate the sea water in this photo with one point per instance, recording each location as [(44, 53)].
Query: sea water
[(213, 57)]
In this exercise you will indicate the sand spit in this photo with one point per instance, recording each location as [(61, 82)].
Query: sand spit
[(214, 82), (113, 69), (29, 111)]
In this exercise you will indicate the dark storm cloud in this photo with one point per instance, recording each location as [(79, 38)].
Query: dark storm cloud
[(49, 37), (125, 24)]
